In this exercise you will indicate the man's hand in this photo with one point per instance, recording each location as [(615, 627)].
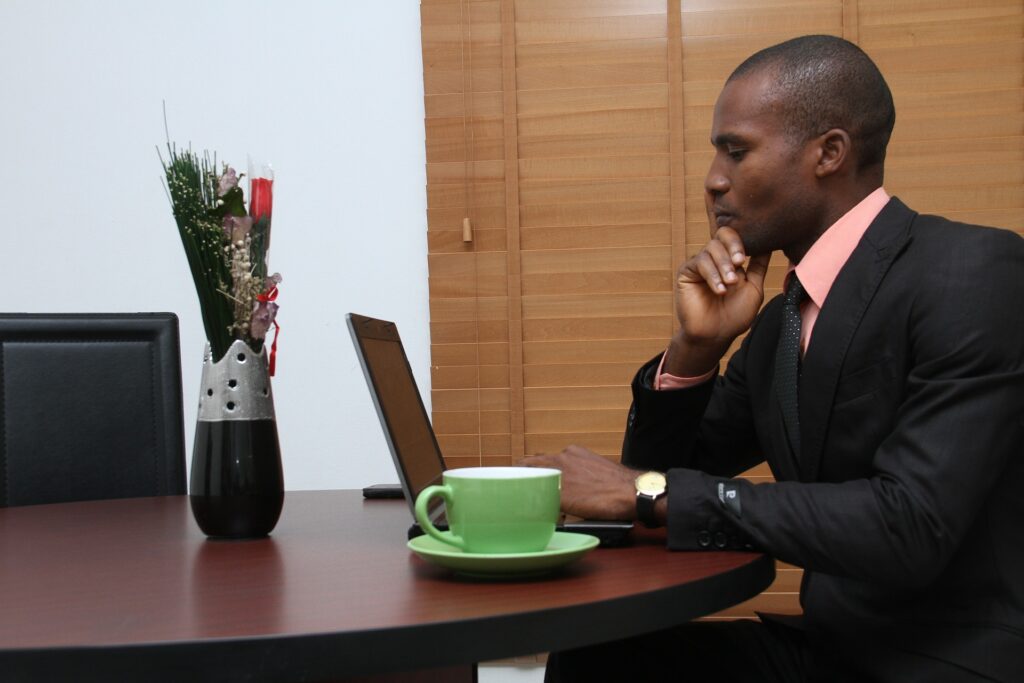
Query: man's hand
[(717, 299), (592, 486)]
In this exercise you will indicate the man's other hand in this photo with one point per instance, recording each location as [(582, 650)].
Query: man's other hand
[(593, 486)]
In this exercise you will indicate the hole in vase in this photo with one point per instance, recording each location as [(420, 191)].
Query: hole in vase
[(232, 383), (231, 405), (266, 392), (241, 358), (209, 392)]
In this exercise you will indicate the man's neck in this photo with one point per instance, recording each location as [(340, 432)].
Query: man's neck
[(839, 205)]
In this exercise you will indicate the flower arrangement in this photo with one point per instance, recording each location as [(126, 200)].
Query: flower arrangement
[(226, 247)]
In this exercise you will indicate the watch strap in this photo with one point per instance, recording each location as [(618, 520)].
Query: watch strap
[(645, 509)]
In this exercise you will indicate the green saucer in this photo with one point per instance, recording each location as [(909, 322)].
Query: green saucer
[(564, 548)]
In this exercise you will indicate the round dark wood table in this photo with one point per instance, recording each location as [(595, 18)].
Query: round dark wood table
[(132, 590)]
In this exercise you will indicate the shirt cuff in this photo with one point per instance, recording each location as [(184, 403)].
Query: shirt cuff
[(664, 381)]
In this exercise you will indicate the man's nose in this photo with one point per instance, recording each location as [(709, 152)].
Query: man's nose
[(715, 183)]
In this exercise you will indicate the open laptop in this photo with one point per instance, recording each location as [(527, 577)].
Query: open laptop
[(408, 431)]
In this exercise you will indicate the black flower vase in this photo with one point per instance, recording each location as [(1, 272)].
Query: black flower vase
[(236, 486)]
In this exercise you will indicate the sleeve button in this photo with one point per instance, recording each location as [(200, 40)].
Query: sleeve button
[(704, 538)]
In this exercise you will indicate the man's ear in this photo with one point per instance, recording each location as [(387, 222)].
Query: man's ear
[(834, 152)]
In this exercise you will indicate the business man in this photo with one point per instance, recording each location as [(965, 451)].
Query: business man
[(885, 389)]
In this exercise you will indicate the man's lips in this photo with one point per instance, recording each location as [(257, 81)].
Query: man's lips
[(722, 217)]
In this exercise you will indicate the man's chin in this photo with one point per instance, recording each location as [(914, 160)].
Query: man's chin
[(757, 243), (756, 250), (755, 247), (753, 244)]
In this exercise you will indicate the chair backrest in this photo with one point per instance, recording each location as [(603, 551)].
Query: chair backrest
[(90, 407)]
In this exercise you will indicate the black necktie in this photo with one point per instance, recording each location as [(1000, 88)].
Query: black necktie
[(787, 361)]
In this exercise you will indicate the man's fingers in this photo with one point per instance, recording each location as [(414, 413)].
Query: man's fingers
[(717, 263), (722, 260), (709, 273), (730, 240)]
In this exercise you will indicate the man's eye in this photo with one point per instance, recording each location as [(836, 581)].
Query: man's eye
[(736, 154)]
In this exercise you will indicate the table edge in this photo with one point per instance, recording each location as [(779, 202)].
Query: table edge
[(316, 656)]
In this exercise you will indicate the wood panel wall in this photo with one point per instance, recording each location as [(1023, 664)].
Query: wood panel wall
[(573, 136)]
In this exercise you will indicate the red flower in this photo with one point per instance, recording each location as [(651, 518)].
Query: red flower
[(261, 198)]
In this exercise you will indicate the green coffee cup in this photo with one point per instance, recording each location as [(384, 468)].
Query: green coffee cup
[(496, 510)]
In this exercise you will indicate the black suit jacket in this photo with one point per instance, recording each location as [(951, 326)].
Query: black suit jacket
[(906, 506)]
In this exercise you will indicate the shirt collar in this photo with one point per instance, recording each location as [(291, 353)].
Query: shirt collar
[(820, 266)]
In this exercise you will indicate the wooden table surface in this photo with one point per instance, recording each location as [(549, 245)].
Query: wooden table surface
[(132, 590)]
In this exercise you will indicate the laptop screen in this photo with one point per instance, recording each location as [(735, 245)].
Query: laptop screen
[(397, 399)]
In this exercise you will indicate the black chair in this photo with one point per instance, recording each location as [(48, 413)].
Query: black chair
[(90, 407)]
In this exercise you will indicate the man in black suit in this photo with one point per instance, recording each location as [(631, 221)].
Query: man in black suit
[(885, 389)]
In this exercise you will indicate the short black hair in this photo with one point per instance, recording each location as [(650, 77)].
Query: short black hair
[(824, 82)]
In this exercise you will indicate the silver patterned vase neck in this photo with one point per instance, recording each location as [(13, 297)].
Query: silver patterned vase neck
[(237, 387)]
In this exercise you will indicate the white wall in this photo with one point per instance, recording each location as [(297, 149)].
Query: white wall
[(331, 93)]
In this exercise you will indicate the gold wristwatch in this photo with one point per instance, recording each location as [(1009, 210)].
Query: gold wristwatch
[(650, 486)]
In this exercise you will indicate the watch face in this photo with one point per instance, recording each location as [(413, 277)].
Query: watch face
[(651, 483)]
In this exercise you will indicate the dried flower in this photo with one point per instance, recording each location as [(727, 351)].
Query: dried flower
[(237, 227), (227, 181), (263, 316)]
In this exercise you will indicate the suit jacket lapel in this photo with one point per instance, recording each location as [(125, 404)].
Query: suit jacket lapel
[(840, 316)]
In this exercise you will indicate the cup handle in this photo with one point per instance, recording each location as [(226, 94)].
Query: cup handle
[(424, 519)]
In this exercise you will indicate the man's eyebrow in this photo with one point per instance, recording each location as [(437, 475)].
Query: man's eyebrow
[(724, 139)]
